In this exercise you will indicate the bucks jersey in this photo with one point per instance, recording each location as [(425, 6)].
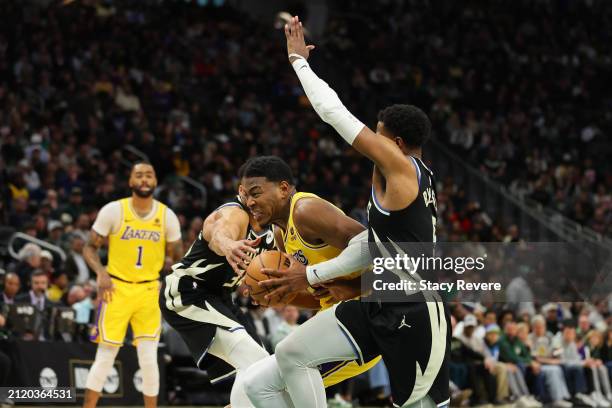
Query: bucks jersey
[(136, 251), (203, 271)]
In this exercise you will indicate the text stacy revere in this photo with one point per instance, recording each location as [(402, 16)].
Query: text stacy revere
[(423, 285)]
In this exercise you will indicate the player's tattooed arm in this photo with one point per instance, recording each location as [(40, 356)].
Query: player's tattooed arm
[(318, 221), (225, 230), (90, 253)]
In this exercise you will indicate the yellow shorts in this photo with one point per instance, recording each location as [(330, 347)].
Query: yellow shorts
[(343, 370), (132, 303)]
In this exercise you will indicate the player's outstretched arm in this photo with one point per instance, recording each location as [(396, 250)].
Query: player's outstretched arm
[(225, 230), (382, 151)]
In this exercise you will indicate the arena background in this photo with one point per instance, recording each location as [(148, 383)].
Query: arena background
[(516, 92)]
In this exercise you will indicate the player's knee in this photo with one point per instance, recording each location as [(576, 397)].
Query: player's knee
[(289, 353), (105, 357), (147, 360)]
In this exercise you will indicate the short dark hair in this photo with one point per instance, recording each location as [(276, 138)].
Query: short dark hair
[(408, 122), (136, 163), (37, 273), (273, 168)]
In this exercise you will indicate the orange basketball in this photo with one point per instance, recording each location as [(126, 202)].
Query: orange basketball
[(269, 259)]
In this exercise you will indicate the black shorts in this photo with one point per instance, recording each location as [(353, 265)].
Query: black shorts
[(413, 339), (221, 312)]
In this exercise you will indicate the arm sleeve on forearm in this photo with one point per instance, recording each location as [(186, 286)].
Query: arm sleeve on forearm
[(326, 103), (355, 257)]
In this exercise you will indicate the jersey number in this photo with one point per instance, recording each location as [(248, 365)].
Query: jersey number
[(139, 259)]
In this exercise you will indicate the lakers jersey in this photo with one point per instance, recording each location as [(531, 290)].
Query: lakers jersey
[(137, 250), (305, 252)]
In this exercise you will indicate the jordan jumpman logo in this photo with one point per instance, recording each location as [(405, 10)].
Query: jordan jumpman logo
[(403, 324)]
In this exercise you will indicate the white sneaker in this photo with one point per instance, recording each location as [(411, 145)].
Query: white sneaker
[(534, 403), (601, 401), (523, 402), (562, 404), (584, 399)]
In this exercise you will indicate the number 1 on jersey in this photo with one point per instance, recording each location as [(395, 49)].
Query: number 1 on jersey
[(139, 259)]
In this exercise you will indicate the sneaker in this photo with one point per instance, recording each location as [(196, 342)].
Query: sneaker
[(523, 402), (583, 399), (600, 400), (338, 402), (562, 404), (534, 403)]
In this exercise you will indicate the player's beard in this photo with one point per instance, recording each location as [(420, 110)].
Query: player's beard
[(141, 193)]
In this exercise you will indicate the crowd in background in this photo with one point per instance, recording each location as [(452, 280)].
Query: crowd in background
[(517, 89)]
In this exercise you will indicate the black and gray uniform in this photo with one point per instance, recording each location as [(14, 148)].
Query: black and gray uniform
[(196, 297), (413, 336)]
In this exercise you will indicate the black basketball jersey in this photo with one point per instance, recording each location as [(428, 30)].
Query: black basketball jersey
[(409, 231), (415, 223), (202, 270)]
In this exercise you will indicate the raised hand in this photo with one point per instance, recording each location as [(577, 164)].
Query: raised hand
[(295, 39)]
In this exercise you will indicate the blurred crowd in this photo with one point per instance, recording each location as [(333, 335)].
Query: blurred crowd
[(516, 88)]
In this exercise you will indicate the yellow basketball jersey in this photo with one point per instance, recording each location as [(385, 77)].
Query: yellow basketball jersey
[(136, 252), (304, 252)]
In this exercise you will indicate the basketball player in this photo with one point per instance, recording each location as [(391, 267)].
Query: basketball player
[(196, 298), (312, 230), (413, 337), (141, 232)]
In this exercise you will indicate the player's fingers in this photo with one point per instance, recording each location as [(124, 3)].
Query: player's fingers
[(287, 33), (321, 293), (294, 23), (272, 272), (310, 47), (300, 30), (278, 293), (271, 283), (253, 243)]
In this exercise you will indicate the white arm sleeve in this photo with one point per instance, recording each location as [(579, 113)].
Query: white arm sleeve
[(355, 257), (173, 226), (326, 103), (108, 219)]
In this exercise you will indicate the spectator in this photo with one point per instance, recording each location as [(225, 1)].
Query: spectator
[(58, 287), (56, 231), (573, 366), (470, 352), (12, 285), (46, 262), (518, 359), (29, 261), (39, 283), (541, 345), (37, 296), (76, 267), (601, 380)]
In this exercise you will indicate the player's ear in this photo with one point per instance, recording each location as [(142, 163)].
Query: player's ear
[(399, 142), (284, 188)]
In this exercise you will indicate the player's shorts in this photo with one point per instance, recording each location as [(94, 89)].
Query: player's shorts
[(338, 371), (413, 339), (197, 325), (131, 303)]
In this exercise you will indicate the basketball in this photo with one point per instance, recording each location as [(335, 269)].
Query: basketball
[(269, 259)]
